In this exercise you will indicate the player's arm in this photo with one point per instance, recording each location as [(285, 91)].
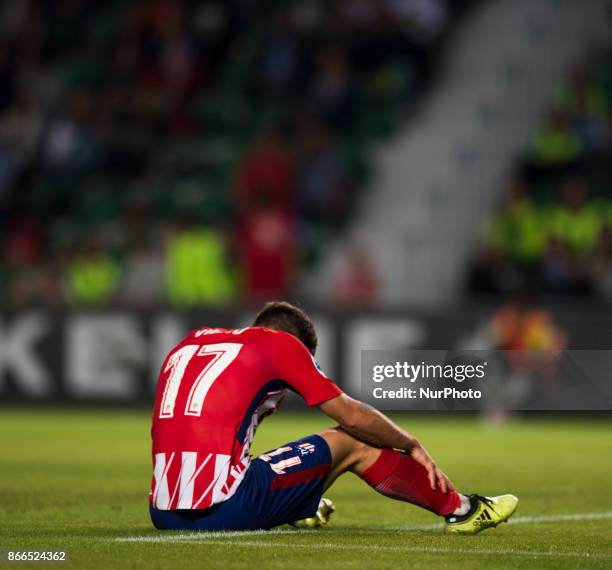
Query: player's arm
[(371, 426), (294, 364)]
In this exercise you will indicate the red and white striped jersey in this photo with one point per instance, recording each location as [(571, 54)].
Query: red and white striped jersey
[(214, 389)]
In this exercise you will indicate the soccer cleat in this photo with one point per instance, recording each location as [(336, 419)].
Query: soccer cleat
[(485, 512), (321, 518)]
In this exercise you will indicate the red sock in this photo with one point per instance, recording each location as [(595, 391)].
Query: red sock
[(400, 477)]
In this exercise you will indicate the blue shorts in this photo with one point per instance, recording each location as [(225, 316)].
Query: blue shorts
[(269, 495)]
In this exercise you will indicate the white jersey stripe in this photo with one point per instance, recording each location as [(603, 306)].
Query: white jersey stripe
[(186, 479), (176, 486), (158, 470), (222, 464), (161, 496), (184, 502)]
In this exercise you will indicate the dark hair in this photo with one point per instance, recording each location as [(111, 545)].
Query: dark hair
[(283, 316)]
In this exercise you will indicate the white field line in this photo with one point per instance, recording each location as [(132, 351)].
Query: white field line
[(224, 539), (203, 536), (522, 520), (413, 549), (562, 518)]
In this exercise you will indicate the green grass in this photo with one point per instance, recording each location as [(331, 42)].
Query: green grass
[(79, 480)]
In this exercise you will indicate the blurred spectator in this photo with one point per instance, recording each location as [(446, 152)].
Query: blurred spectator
[(529, 338), (102, 103), (33, 285), (23, 244), (70, 145), (281, 56), (428, 18), (20, 132), (93, 275), (143, 282), (172, 71), (267, 251), (521, 325), (333, 93), (358, 282), (556, 142), (575, 221), (197, 271), (323, 182), (517, 231), (28, 280), (558, 271), (266, 169), (554, 229), (588, 104)]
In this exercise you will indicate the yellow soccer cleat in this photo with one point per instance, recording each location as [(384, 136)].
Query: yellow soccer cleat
[(321, 518), (484, 513)]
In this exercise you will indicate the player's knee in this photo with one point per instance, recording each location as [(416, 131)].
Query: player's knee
[(343, 444)]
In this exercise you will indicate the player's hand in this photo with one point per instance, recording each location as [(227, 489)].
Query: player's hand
[(437, 477)]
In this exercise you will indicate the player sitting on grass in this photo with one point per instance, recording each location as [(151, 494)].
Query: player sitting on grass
[(215, 388)]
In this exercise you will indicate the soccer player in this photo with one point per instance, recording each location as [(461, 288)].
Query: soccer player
[(215, 388)]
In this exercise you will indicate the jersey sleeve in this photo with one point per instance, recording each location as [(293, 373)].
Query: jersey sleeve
[(299, 369)]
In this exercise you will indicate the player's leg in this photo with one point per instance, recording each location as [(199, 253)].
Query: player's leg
[(286, 484), (391, 473), (398, 476)]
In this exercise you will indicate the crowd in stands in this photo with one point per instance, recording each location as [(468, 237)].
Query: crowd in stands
[(554, 231), (194, 152)]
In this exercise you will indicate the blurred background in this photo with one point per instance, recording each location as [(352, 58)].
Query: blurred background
[(417, 173)]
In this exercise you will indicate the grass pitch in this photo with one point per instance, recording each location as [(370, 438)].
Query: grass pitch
[(79, 480)]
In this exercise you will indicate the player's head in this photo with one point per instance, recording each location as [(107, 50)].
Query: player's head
[(283, 316)]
